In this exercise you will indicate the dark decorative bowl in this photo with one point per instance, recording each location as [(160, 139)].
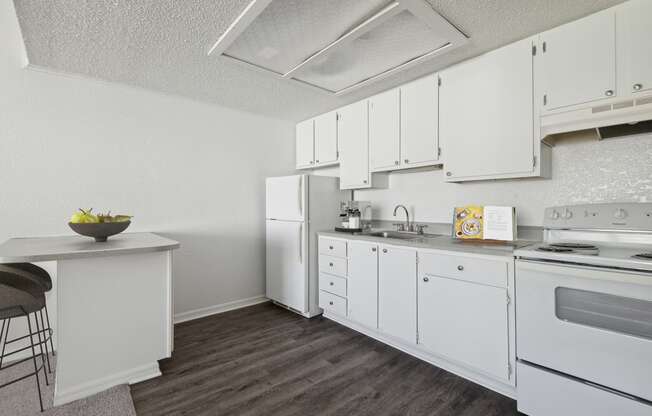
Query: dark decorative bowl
[(99, 231)]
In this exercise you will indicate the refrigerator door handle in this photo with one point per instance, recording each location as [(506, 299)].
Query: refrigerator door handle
[(301, 243), (301, 195)]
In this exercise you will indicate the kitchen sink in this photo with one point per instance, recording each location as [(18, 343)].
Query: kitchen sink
[(399, 235)]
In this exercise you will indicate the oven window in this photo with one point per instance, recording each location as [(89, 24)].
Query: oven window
[(601, 310)]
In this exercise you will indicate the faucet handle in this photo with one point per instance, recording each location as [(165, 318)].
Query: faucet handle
[(419, 228), (399, 226)]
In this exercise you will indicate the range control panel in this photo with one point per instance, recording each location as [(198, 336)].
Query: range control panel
[(609, 216)]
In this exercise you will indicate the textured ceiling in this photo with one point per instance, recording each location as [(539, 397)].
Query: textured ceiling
[(162, 45)]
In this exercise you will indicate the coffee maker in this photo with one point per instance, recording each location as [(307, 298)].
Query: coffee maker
[(354, 216)]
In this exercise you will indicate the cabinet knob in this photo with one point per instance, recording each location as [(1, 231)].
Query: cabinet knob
[(406, 161), (316, 161), (330, 247), (426, 279), (330, 303), (460, 267), (609, 93), (332, 284), (396, 162), (330, 264), (637, 87), (384, 250), (449, 173), (365, 181), (312, 162), (373, 249)]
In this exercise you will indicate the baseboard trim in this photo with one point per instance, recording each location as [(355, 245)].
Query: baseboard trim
[(131, 376), (215, 309)]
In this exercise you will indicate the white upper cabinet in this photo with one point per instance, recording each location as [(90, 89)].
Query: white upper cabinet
[(397, 291), (578, 62), (486, 116), (634, 46), (305, 144), (326, 139), (363, 283), (353, 133), (420, 122), (384, 131)]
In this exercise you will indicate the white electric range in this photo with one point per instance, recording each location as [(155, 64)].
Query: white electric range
[(584, 313)]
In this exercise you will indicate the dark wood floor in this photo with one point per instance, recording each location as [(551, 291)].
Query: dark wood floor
[(264, 360)]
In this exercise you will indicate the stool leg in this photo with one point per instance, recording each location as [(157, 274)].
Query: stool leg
[(40, 345), (4, 343), (47, 353), (31, 342), (47, 317)]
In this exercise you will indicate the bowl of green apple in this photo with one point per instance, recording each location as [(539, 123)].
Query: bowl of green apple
[(98, 226)]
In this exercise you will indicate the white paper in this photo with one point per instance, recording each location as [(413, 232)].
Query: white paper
[(499, 223)]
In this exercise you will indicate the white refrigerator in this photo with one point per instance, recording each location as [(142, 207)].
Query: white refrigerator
[(297, 207)]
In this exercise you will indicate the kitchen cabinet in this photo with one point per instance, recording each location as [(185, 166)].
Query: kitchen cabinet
[(305, 144), (397, 291), (633, 34), (384, 130), (363, 283), (578, 61), (420, 122), (486, 116), (326, 152)]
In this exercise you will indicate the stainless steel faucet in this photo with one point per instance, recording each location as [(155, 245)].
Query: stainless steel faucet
[(407, 226)]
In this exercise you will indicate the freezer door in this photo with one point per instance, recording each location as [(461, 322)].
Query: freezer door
[(286, 198), (287, 260)]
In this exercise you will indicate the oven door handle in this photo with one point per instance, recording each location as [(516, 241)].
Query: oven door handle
[(580, 271)]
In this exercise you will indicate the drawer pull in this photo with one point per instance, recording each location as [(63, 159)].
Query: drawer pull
[(330, 264), (373, 249), (330, 303), (384, 250), (460, 267), (330, 247), (426, 279), (332, 284)]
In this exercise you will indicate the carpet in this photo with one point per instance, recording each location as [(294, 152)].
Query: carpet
[(21, 399)]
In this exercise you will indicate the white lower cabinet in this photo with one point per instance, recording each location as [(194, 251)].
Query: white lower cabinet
[(397, 293), (363, 283)]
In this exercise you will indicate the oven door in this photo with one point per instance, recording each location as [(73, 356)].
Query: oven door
[(592, 323)]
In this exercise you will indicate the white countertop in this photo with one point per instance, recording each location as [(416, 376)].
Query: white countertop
[(440, 242), (34, 249)]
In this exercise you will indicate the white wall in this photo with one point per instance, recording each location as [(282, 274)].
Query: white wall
[(192, 171), (583, 171)]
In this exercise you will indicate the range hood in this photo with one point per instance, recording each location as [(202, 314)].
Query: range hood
[(336, 46), (616, 118)]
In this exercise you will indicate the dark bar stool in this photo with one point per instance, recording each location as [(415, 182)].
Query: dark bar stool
[(21, 295)]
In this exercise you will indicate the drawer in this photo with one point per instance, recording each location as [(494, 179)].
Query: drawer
[(332, 265), (332, 303), (332, 247), (333, 284), (475, 270)]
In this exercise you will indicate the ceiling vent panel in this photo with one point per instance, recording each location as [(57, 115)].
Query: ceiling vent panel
[(337, 45)]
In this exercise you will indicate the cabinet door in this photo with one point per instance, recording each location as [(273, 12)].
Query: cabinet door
[(326, 138), (384, 131), (363, 283), (397, 293), (353, 134), (466, 322), (578, 61), (305, 144), (486, 115), (420, 122), (633, 34)]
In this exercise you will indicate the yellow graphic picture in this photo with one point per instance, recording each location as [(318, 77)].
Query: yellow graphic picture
[(469, 222)]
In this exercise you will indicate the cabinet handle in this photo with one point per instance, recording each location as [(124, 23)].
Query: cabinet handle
[(330, 303), (637, 87), (316, 161), (312, 162), (396, 162), (406, 161), (373, 249), (449, 173), (330, 264), (460, 267), (330, 247), (384, 250), (332, 284), (426, 279), (609, 93), (365, 181)]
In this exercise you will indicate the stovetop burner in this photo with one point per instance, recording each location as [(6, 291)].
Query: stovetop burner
[(644, 256), (574, 246), (553, 249)]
